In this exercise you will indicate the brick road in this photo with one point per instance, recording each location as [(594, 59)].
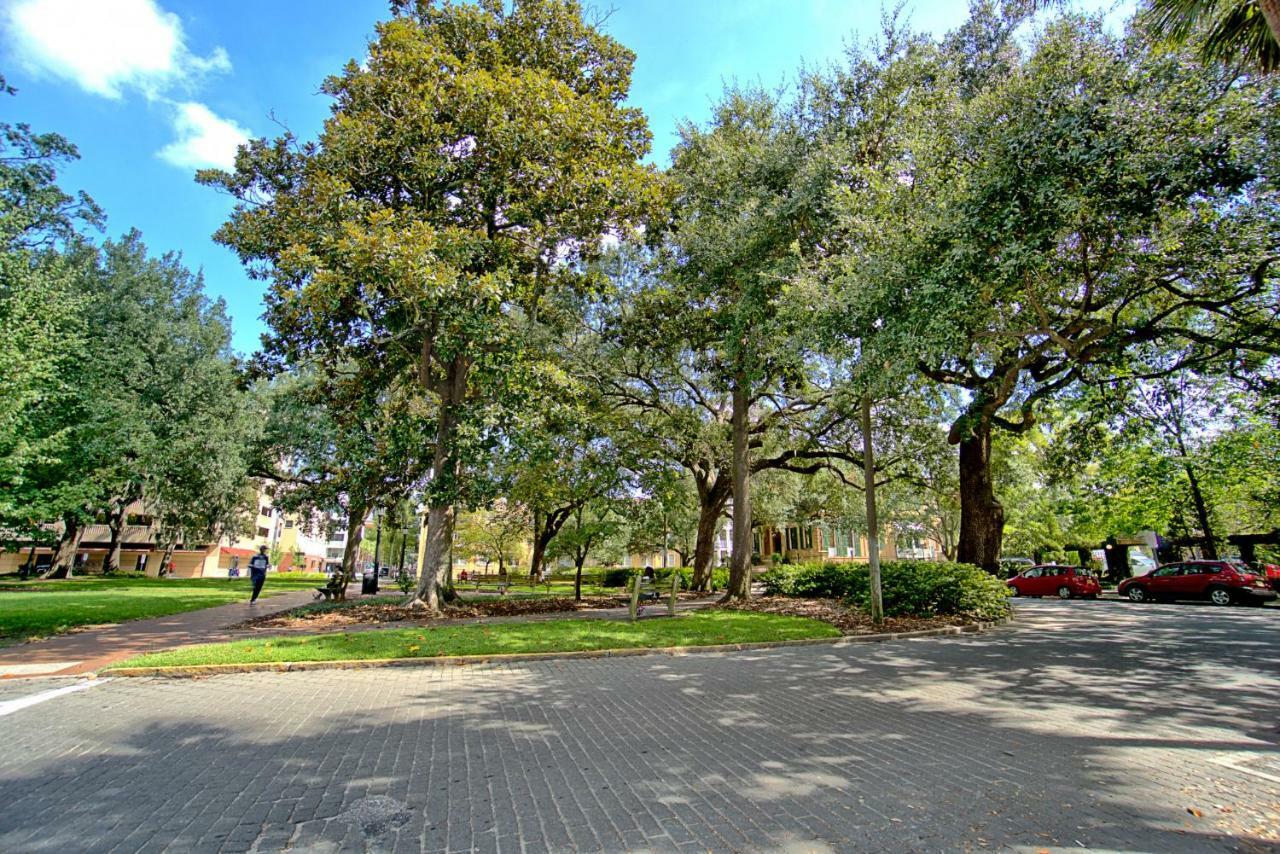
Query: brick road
[(1085, 726)]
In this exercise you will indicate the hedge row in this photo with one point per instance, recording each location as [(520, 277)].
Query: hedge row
[(910, 588), (620, 577)]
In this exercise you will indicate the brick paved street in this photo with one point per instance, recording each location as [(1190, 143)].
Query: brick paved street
[(1085, 726)]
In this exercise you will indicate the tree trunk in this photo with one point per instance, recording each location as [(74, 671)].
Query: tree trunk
[(168, 556), (580, 559), (710, 507), (439, 534), (542, 537), (64, 559), (873, 525), (535, 556), (440, 512), (981, 515), (1271, 13), (1202, 512), (115, 521), (351, 549), (740, 562)]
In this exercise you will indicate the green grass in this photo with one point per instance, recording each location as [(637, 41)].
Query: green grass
[(37, 608), (698, 629)]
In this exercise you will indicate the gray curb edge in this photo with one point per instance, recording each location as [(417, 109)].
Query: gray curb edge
[(196, 670)]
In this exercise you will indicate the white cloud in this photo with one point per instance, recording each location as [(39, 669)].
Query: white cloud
[(110, 47), (204, 139), (107, 46)]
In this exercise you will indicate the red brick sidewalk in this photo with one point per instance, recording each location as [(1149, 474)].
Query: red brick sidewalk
[(87, 651)]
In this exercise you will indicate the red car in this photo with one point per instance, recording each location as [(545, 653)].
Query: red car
[(1065, 582), (1273, 574), (1222, 582)]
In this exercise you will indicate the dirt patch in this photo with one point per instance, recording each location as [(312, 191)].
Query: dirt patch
[(373, 613), (850, 621)]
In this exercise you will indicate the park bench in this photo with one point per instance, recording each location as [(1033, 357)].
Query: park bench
[(648, 593), (331, 588)]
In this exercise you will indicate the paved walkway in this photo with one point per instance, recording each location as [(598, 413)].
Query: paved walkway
[(1082, 727), (88, 650)]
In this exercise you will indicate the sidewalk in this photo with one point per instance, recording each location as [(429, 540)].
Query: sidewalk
[(88, 650)]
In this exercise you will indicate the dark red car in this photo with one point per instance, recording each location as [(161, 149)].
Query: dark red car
[(1222, 582), (1273, 574), (1048, 579)]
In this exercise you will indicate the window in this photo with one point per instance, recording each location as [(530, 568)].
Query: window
[(339, 536), (808, 538), (1031, 573), (1166, 571), (334, 554), (263, 532), (288, 523), (264, 511), (140, 565), (139, 519), (793, 539)]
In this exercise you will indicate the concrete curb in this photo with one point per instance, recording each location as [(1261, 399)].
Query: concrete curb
[(197, 670)]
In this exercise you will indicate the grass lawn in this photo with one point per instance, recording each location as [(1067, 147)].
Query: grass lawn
[(698, 629), (38, 608)]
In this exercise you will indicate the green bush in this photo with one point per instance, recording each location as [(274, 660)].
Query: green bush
[(616, 577), (910, 588), (719, 578)]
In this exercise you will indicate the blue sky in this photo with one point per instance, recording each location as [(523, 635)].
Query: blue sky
[(150, 90)]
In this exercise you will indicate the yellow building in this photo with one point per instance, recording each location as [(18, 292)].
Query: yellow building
[(142, 550)]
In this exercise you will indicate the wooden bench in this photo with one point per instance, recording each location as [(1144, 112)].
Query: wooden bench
[(331, 589)]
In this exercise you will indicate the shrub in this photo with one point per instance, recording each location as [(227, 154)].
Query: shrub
[(719, 578), (910, 588), (616, 577)]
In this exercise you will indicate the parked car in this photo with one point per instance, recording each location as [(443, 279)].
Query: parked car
[(1222, 582), (1140, 564), (1049, 579), (1271, 572)]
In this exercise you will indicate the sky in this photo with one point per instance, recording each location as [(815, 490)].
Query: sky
[(151, 90)]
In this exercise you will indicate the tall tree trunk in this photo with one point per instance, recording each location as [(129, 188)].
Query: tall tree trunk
[(440, 512), (873, 524), (168, 556), (64, 559), (535, 556), (711, 502), (351, 548), (1271, 13), (981, 515), (740, 562), (115, 522), (579, 559), (1202, 512), (543, 534)]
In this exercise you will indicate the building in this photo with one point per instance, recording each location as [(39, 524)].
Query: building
[(142, 548)]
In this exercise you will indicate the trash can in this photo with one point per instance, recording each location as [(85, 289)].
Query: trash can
[(369, 584)]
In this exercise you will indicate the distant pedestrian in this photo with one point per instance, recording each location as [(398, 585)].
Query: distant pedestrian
[(258, 565)]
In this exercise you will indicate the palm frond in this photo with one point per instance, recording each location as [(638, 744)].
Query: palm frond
[(1233, 32)]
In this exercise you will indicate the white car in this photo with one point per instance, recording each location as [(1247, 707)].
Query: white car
[(1140, 564)]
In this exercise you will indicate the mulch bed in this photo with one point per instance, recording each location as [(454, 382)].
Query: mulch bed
[(850, 621), (358, 613)]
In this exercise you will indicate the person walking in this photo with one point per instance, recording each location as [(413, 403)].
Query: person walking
[(258, 565)]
